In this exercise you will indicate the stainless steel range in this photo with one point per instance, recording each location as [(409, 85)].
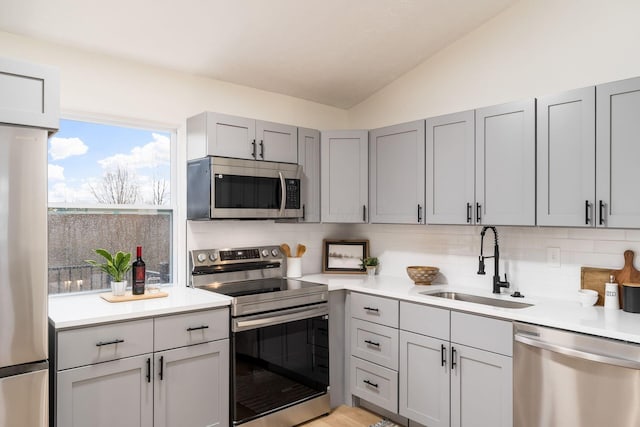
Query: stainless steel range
[(279, 335)]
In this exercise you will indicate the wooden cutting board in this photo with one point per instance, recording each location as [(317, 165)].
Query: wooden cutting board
[(595, 278), (108, 296)]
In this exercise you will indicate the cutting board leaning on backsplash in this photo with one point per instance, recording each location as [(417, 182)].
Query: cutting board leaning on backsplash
[(595, 278)]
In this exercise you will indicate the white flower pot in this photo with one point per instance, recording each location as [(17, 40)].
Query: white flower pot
[(118, 288), (371, 270)]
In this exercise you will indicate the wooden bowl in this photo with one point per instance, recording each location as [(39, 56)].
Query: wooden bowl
[(422, 275)]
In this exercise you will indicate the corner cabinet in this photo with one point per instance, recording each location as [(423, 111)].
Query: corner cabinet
[(617, 154), (450, 178), (215, 134), (167, 371), (344, 165), (397, 173), (506, 164), (566, 154), (309, 159)]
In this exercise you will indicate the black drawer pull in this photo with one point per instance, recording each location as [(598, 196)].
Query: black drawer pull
[(587, 207), (197, 328), (443, 355), (419, 214), (161, 368), (371, 309), (601, 209), (148, 369), (478, 213), (253, 150), (453, 358), (116, 341), (377, 344), (468, 213), (370, 383), (261, 149)]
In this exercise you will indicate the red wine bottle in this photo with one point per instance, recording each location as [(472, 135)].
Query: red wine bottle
[(139, 271)]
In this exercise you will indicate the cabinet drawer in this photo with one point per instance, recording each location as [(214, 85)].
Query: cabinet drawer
[(482, 332), (191, 328), (424, 320), (375, 343), (375, 309), (374, 384), (85, 346)]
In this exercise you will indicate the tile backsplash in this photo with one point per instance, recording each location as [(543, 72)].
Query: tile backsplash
[(524, 251)]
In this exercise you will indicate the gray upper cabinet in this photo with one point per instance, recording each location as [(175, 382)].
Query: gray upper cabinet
[(215, 134), (617, 154), (344, 176), (29, 94), (396, 173), (309, 159), (450, 160), (506, 164), (566, 158)]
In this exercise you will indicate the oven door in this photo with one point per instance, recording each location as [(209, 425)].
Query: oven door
[(250, 189), (280, 359)]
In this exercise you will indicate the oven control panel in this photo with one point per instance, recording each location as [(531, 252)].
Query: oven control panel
[(213, 257)]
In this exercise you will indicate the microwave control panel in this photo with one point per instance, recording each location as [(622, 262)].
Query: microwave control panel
[(293, 194)]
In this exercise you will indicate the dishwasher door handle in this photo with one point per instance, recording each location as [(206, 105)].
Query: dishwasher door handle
[(572, 352)]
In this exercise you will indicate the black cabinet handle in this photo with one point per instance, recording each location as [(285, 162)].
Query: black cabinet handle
[(197, 328), (303, 212), (601, 209), (261, 149), (587, 207), (116, 341), (443, 355), (364, 213), (371, 309), (377, 344), (148, 369), (419, 214), (253, 150), (453, 358), (478, 211), (161, 368), (468, 213), (370, 383)]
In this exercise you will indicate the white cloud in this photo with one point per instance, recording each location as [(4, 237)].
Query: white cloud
[(150, 155), (61, 148), (56, 173), (63, 192)]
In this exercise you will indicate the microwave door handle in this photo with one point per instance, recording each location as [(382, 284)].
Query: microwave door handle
[(283, 193)]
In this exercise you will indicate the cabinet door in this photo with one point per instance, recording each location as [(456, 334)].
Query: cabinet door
[(214, 134), (309, 159), (451, 169), (117, 393), (566, 158), (617, 154), (506, 164), (344, 165), (424, 379), (192, 386), (276, 142), (481, 388), (396, 169)]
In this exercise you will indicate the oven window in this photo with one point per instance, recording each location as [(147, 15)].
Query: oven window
[(247, 192), (277, 366)]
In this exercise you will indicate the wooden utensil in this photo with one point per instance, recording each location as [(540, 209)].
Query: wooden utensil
[(595, 278), (286, 250), (300, 250), (628, 274)]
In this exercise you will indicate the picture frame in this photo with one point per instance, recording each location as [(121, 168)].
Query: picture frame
[(344, 256)]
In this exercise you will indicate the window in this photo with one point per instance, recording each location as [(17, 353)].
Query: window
[(109, 187)]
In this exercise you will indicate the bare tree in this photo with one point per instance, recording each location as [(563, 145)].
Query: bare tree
[(160, 191), (117, 187)]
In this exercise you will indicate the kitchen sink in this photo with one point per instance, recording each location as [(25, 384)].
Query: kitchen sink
[(458, 296)]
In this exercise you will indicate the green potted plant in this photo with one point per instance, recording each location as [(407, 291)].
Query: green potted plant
[(370, 263), (115, 266)]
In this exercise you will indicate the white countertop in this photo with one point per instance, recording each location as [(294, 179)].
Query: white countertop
[(69, 311), (569, 315)]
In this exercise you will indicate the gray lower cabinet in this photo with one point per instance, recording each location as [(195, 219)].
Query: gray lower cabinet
[(617, 154), (309, 159), (450, 178), (506, 164), (566, 154), (397, 173), (344, 176), (163, 371)]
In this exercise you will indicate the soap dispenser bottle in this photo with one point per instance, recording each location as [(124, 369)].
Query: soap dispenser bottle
[(611, 292)]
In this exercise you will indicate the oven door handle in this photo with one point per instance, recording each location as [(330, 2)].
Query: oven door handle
[(283, 316), (283, 193)]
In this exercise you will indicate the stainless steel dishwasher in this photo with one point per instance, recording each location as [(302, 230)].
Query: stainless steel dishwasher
[(566, 379)]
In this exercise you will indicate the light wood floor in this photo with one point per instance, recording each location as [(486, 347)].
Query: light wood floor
[(345, 416)]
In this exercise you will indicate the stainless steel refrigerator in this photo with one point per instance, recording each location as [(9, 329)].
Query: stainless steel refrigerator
[(23, 277)]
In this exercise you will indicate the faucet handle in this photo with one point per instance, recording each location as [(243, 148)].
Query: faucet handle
[(481, 265), (506, 282)]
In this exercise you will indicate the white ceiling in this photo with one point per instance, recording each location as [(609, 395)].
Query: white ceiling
[(335, 52)]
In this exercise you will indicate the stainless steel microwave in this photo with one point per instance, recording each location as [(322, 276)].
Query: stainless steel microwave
[(219, 188)]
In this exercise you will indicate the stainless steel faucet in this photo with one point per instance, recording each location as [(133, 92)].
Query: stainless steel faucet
[(497, 283)]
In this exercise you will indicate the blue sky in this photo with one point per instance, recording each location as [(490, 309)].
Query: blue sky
[(80, 153)]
